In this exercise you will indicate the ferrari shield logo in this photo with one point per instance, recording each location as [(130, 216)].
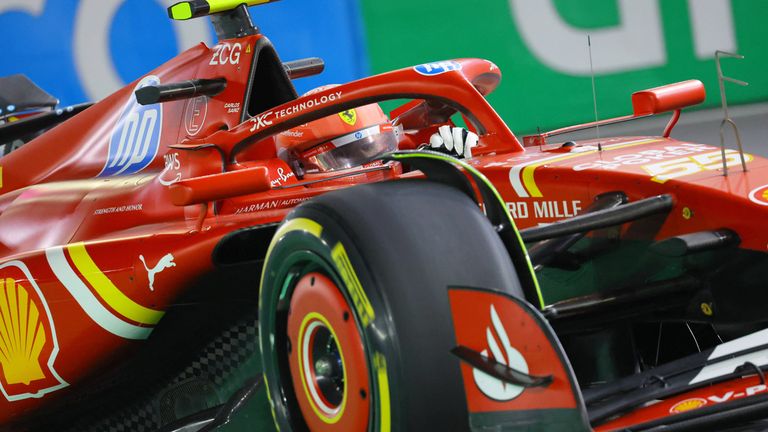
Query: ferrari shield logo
[(28, 345), (349, 117)]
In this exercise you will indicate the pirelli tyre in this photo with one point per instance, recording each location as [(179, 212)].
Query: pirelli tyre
[(356, 329)]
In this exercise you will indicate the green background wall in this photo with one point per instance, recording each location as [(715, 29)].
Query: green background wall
[(532, 94)]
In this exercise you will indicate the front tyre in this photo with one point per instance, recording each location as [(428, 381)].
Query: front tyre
[(356, 327)]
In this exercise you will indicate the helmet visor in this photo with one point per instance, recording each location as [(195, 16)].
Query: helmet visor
[(351, 150)]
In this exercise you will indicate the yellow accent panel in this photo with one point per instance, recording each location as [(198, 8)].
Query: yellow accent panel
[(1, 177), (181, 11), (385, 412), (225, 5), (108, 291), (362, 304), (22, 336), (528, 171), (299, 352)]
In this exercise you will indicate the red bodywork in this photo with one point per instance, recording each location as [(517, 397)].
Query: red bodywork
[(92, 261)]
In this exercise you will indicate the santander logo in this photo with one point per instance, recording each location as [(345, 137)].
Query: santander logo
[(502, 352)]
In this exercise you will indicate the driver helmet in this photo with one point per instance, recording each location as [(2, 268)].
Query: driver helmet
[(340, 141)]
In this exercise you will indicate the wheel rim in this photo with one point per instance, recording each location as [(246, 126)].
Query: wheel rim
[(327, 357)]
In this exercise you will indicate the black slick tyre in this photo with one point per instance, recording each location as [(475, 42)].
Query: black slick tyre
[(356, 325)]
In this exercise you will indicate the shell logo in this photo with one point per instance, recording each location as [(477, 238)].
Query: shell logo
[(28, 344), (687, 405)]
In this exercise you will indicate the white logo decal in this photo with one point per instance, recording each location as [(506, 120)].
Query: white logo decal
[(261, 121), (164, 263), (224, 53), (282, 177), (493, 387), (172, 163), (136, 137), (437, 68), (194, 115)]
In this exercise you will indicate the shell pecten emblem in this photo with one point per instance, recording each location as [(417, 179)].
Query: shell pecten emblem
[(28, 344)]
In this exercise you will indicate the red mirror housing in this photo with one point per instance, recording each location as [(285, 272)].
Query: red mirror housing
[(216, 187), (668, 98)]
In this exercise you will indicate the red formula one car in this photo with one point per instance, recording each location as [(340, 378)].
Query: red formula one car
[(167, 266)]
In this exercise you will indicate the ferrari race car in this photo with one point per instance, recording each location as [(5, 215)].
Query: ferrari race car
[(165, 268)]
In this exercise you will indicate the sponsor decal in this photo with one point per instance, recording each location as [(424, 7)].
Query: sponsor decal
[(643, 157), (544, 209), (265, 119), (349, 117), (521, 176), (282, 177), (270, 205), (437, 68), (503, 352), (92, 289), (232, 107), (226, 53), (664, 171), (119, 209), (195, 113), (698, 402), (261, 121), (135, 139), (505, 330), (172, 164), (165, 262), (356, 291), (687, 405), (759, 195), (28, 342), (293, 133)]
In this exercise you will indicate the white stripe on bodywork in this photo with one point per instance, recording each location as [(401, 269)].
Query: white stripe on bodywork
[(514, 173), (517, 183), (759, 358), (85, 298)]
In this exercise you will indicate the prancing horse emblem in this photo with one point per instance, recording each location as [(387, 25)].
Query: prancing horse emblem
[(164, 263)]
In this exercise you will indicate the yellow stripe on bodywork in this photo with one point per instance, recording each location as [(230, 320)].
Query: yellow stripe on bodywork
[(528, 171), (108, 291)]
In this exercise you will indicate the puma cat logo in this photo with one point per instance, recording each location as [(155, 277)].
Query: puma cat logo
[(164, 263)]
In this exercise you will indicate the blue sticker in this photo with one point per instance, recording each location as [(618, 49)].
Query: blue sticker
[(437, 68), (136, 138)]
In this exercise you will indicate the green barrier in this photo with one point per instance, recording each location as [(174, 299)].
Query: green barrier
[(541, 48)]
